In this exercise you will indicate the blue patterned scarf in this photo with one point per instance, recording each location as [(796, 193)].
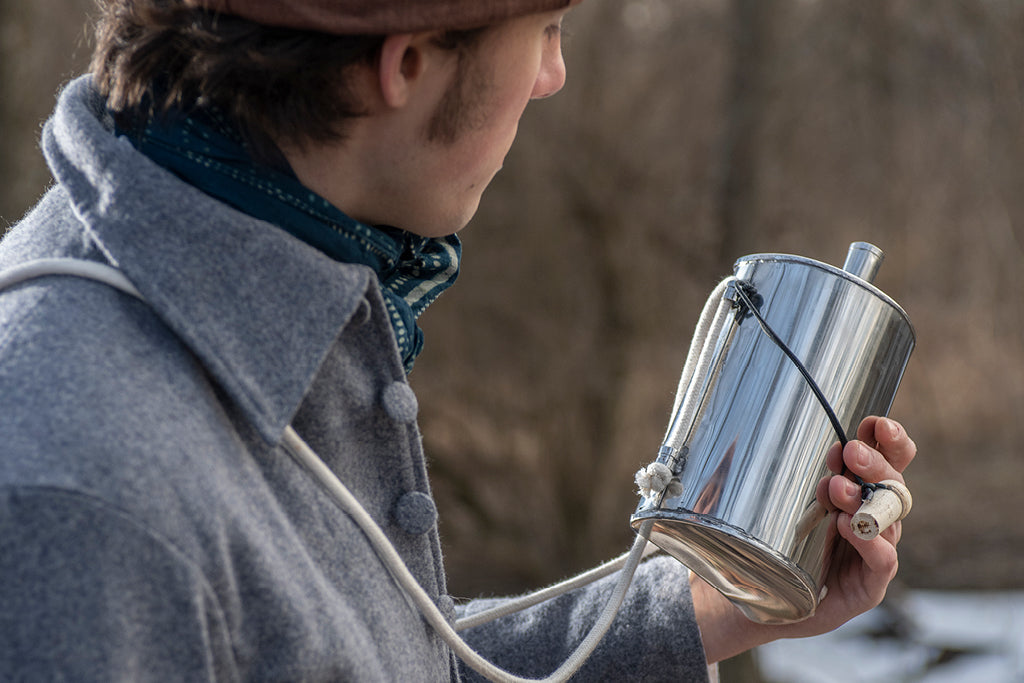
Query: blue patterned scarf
[(207, 152)]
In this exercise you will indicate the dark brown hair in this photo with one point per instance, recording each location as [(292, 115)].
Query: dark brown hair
[(152, 56)]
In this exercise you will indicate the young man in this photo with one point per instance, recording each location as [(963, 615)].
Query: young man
[(282, 183)]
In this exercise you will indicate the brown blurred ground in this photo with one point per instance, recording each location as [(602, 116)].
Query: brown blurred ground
[(691, 134)]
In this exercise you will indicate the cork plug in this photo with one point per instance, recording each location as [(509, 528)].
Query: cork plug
[(882, 509)]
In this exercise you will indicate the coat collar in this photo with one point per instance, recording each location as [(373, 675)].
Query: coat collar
[(259, 308)]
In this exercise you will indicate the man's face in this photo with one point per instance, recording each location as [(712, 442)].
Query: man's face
[(422, 162), (463, 142)]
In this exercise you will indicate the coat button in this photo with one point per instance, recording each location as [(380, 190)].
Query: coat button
[(400, 403), (415, 513)]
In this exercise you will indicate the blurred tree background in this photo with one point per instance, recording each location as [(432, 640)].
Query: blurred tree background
[(691, 134)]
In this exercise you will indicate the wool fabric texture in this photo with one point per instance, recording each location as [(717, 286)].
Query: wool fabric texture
[(379, 17)]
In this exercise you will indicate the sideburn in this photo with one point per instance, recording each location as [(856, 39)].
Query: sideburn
[(462, 105)]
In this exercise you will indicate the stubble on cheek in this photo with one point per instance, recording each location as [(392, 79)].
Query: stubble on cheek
[(463, 107)]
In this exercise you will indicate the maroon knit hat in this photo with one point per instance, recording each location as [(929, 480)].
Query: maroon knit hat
[(379, 17)]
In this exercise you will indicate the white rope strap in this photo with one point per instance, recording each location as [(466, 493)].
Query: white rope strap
[(308, 459), (90, 270), (658, 477)]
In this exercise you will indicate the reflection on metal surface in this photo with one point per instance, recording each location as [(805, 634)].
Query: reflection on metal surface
[(711, 494), (763, 584), (748, 520)]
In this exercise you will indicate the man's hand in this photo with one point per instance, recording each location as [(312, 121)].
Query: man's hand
[(860, 571)]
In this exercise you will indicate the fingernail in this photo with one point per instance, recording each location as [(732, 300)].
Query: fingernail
[(892, 430)]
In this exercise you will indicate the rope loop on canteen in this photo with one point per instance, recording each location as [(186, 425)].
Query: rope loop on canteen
[(657, 478)]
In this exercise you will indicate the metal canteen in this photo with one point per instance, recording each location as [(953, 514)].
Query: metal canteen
[(750, 454)]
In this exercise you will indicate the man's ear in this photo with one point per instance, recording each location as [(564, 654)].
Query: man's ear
[(401, 63)]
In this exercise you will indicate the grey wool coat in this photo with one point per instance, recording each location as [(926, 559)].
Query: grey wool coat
[(151, 525)]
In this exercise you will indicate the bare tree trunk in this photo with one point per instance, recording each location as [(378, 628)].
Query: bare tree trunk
[(745, 110), (41, 46)]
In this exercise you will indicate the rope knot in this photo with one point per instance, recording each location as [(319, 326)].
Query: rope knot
[(655, 478)]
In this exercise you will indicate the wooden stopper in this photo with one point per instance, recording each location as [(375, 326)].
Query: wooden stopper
[(881, 510)]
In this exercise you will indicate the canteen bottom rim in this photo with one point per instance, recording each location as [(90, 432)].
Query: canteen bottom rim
[(765, 586)]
